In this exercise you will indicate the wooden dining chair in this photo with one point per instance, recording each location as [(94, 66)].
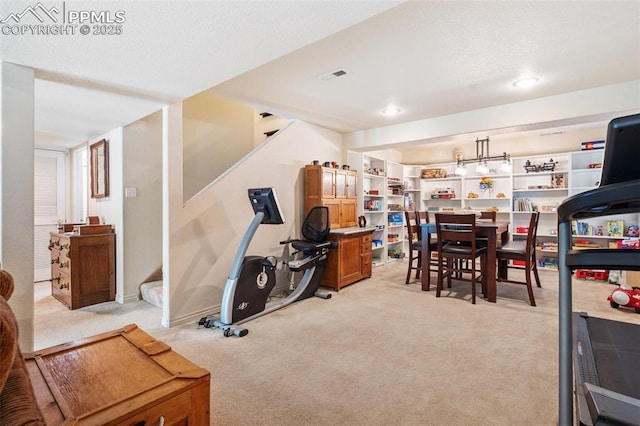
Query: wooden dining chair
[(456, 244), (486, 215), (489, 215), (523, 251), (415, 245), (422, 216)]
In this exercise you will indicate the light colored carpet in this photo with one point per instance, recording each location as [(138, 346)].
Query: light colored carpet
[(378, 353)]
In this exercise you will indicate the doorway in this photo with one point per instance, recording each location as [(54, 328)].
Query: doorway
[(49, 206)]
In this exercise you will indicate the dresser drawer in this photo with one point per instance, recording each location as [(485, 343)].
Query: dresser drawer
[(174, 411), (64, 262), (61, 285)]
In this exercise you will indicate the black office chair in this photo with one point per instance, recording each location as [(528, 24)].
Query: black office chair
[(315, 230)]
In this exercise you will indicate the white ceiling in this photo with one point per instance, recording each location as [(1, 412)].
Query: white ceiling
[(431, 58)]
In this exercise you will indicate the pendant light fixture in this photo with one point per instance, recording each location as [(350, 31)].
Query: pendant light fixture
[(482, 157)]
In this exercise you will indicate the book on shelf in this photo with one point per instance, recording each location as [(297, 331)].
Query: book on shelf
[(524, 205), (615, 228), (582, 228)]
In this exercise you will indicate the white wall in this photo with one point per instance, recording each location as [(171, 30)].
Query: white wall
[(585, 106), (16, 190), (142, 214), (514, 145), (204, 233), (109, 209)]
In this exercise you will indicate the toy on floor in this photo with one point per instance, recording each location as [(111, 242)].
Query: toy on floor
[(626, 296)]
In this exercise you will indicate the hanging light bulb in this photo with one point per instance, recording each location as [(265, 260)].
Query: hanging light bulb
[(482, 168), (461, 170), (505, 167)]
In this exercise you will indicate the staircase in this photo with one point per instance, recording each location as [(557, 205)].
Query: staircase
[(151, 288)]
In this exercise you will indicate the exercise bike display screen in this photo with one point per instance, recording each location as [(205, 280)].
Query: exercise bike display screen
[(264, 200)]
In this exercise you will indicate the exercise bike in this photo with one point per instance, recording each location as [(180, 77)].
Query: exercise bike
[(252, 278)]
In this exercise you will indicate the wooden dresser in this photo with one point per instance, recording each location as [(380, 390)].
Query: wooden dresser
[(333, 188), (351, 260), (83, 265), (122, 377)]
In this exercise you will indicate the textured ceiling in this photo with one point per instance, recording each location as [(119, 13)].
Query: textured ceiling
[(431, 58), (91, 84), (434, 58)]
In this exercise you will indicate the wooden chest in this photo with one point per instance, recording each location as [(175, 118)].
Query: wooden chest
[(123, 377), (83, 266)]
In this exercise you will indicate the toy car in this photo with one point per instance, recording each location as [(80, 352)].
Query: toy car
[(626, 296)]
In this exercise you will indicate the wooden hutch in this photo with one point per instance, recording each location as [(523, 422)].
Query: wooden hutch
[(336, 189)]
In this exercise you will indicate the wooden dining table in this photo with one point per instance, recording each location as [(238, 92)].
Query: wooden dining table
[(484, 228)]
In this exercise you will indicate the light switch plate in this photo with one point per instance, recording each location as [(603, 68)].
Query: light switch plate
[(130, 192)]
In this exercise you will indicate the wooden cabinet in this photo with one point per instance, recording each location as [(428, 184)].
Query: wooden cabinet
[(83, 266), (350, 261), (122, 377), (335, 189)]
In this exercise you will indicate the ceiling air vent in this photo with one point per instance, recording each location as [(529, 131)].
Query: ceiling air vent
[(332, 74)]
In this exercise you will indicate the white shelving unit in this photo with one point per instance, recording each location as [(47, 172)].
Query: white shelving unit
[(372, 200), (586, 168), (536, 187), (466, 190), (389, 187), (395, 212), (585, 171), (498, 197), (412, 187), (447, 189)]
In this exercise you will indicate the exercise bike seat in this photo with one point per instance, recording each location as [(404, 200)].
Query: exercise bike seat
[(309, 247), (315, 230)]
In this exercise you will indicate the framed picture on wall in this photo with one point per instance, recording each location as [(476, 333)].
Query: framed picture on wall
[(99, 152)]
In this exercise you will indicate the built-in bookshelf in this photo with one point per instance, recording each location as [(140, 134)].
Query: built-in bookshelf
[(535, 183)]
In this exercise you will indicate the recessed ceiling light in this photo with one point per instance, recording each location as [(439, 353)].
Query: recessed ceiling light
[(391, 111), (526, 82)]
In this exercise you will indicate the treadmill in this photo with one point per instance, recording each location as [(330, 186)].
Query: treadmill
[(605, 354)]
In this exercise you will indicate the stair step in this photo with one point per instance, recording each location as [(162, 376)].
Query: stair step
[(152, 292)]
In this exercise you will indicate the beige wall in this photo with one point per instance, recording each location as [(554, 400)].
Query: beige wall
[(109, 209), (203, 234), (216, 134), (142, 215), (266, 124)]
